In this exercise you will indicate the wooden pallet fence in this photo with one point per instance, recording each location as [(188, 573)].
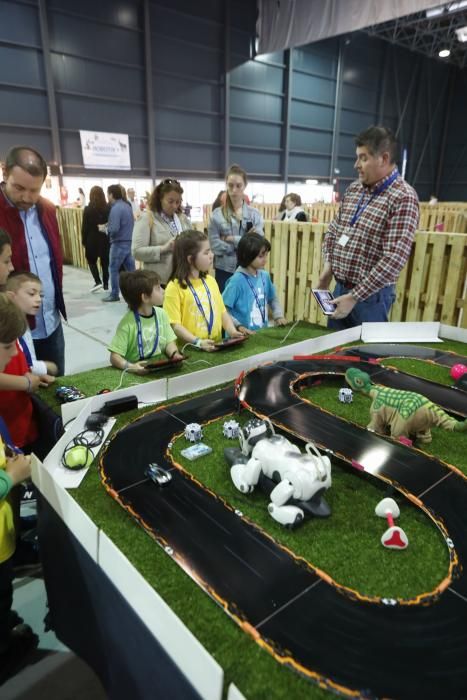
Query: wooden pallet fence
[(431, 287)]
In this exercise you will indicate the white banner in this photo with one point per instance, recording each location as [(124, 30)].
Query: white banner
[(105, 151)]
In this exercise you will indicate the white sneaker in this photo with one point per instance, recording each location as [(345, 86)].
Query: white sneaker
[(96, 287)]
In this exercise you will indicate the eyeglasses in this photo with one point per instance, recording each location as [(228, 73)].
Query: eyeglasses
[(169, 181)]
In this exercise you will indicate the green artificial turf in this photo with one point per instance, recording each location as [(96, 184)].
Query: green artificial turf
[(90, 383), (257, 674), (347, 545)]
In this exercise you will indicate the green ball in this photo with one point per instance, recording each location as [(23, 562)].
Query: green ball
[(78, 457)]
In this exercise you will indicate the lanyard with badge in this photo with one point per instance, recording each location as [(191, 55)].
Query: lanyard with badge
[(262, 308), (140, 336), (344, 239), (209, 323)]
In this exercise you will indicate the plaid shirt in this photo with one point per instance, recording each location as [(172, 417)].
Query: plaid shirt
[(379, 242)]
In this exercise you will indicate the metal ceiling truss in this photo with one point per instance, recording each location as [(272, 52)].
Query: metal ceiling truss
[(428, 35)]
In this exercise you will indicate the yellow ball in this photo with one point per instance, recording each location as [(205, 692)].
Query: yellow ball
[(78, 457)]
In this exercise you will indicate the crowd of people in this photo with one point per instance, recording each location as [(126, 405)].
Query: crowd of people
[(172, 300)]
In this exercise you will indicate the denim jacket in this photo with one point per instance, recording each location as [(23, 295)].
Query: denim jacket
[(225, 254)]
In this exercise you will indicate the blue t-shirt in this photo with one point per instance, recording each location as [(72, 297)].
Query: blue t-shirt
[(247, 298)]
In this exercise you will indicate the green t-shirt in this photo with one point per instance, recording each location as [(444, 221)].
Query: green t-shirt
[(125, 340)]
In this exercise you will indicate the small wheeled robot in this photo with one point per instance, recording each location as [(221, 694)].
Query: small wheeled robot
[(193, 432), (295, 482)]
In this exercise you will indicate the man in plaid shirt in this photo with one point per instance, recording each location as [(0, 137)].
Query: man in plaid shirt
[(369, 242)]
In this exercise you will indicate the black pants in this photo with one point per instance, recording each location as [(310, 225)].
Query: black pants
[(6, 601), (92, 262)]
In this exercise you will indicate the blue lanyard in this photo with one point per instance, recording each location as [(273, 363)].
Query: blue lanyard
[(262, 309), (209, 323), (25, 349), (360, 209), (140, 336)]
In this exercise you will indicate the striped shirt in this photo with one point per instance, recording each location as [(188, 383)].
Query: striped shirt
[(380, 241)]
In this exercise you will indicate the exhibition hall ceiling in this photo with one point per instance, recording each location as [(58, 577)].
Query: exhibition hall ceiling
[(440, 29)]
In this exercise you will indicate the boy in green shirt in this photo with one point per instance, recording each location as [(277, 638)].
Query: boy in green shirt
[(145, 331)]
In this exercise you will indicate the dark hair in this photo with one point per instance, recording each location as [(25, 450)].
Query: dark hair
[(250, 246), (379, 140), (187, 245), (296, 199), (115, 191), (17, 279), (27, 159), (228, 209), (134, 284), (13, 320), (282, 204), (97, 198), (163, 188), (80, 190), (218, 200), (4, 239)]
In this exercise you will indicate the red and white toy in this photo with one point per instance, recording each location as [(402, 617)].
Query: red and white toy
[(458, 370), (394, 537)]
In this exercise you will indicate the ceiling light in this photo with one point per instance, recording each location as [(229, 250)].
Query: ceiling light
[(444, 53), (461, 34), (435, 11), (455, 6)]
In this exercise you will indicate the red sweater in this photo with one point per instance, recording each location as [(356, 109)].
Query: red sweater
[(11, 221), (16, 407)]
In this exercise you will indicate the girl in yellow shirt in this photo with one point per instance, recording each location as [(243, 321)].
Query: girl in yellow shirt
[(192, 298)]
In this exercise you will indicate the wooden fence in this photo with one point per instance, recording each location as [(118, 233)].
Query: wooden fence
[(432, 286), (451, 216)]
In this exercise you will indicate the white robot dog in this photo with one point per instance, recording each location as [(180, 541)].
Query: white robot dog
[(295, 482)]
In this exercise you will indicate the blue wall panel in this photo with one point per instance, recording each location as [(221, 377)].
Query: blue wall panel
[(21, 66), (98, 70), (19, 23)]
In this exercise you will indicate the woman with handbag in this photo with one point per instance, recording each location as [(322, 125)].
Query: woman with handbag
[(155, 231)]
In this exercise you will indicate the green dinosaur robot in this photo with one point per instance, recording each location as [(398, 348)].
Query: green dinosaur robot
[(401, 412)]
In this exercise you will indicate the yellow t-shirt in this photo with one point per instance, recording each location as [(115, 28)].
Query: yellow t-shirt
[(7, 526), (181, 307)]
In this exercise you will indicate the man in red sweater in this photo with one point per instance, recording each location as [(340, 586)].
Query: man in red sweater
[(32, 224)]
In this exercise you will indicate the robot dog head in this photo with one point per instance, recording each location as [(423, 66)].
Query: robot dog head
[(252, 432)]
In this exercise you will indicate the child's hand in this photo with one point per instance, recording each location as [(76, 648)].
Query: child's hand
[(137, 368), (236, 333), (52, 368), (176, 356), (35, 382), (46, 379), (18, 468), (208, 345), (280, 321), (244, 330)]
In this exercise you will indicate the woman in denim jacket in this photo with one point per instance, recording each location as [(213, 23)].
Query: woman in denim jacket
[(229, 223)]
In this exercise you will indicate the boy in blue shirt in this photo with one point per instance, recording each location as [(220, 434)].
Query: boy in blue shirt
[(249, 292), (145, 331)]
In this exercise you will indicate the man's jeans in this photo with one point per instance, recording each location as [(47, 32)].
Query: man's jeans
[(375, 308), (120, 256), (52, 348)]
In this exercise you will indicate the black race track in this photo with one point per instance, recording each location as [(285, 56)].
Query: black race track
[(369, 648)]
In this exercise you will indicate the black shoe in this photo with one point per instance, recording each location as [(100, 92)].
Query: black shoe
[(22, 643)]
